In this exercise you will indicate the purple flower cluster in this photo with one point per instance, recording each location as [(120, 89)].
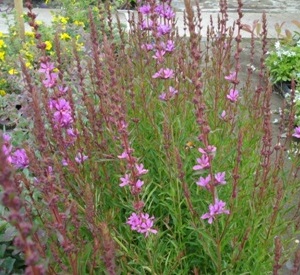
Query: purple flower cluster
[(210, 182), (51, 77), (215, 209), (141, 223), (18, 158), (62, 113), (160, 26)]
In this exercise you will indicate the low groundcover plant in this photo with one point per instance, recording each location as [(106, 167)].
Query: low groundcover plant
[(150, 153)]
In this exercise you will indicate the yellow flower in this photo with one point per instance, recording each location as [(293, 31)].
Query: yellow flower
[(38, 22), (29, 34), (2, 93), (48, 45), (12, 71), (29, 55), (55, 19), (64, 20), (28, 65), (2, 56), (79, 23), (65, 36), (55, 70), (79, 46), (1, 34), (2, 44)]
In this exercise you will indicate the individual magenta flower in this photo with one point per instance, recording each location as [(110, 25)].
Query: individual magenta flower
[(64, 162), (220, 178), (80, 157), (215, 209), (145, 9), (140, 169), (169, 95), (46, 67), (72, 133), (124, 155), (125, 180), (163, 29), (19, 159), (203, 163), (210, 150), (163, 97), (170, 46), (159, 56), (233, 95), (63, 90), (147, 47), (165, 11), (50, 80), (139, 183), (146, 24), (204, 182), (223, 115), (296, 133), (231, 77)]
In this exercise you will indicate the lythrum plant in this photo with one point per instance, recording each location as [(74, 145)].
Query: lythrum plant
[(153, 154)]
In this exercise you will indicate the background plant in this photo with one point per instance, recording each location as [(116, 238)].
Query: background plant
[(150, 100)]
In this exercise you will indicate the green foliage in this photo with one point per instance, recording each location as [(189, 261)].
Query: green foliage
[(11, 260), (284, 62)]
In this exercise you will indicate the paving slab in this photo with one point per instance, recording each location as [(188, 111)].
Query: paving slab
[(253, 6), (46, 15)]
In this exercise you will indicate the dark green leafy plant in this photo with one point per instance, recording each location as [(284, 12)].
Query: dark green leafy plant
[(284, 62), (11, 260)]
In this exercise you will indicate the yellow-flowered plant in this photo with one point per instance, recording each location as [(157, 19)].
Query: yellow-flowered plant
[(48, 45), (29, 34), (12, 71), (2, 56), (65, 36), (79, 23), (2, 93)]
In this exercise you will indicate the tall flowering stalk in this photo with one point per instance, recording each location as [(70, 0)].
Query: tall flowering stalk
[(12, 200)]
